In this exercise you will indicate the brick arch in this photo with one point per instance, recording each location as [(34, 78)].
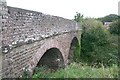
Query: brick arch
[(61, 42), (52, 58), (74, 42), (42, 50)]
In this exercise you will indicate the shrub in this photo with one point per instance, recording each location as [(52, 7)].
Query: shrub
[(96, 46)]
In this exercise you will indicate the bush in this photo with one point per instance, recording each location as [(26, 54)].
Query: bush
[(96, 46)]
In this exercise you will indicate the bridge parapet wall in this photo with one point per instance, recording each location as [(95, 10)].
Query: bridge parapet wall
[(23, 25)]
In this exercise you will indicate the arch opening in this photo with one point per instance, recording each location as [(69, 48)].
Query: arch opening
[(74, 52), (52, 59)]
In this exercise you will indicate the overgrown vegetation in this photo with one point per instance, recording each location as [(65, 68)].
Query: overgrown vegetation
[(75, 70), (97, 47), (114, 28), (97, 44), (76, 56)]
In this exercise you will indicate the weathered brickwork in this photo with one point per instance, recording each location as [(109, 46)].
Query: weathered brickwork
[(27, 35), (3, 12), (23, 24)]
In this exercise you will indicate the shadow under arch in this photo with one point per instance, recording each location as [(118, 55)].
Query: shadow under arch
[(52, 58), (74, 51)]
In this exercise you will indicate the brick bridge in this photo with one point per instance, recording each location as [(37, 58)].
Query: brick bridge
[(30, 39)]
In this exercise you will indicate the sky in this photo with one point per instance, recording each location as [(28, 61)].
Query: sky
[(68, 8)]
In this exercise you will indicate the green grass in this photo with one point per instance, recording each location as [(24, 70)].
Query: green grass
[(76, 70)]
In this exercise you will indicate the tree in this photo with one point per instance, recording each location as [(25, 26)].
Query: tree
[(78, 17), (89, 23), (109, 18), (96, 46), (114, 27)]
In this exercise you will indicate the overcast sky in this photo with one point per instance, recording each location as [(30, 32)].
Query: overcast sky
[(68, 8)]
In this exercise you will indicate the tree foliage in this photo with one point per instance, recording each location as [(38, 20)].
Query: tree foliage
[(96, 47), (97, 44), (89, 23), (109, 18), (78, 17), (114, 27)]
